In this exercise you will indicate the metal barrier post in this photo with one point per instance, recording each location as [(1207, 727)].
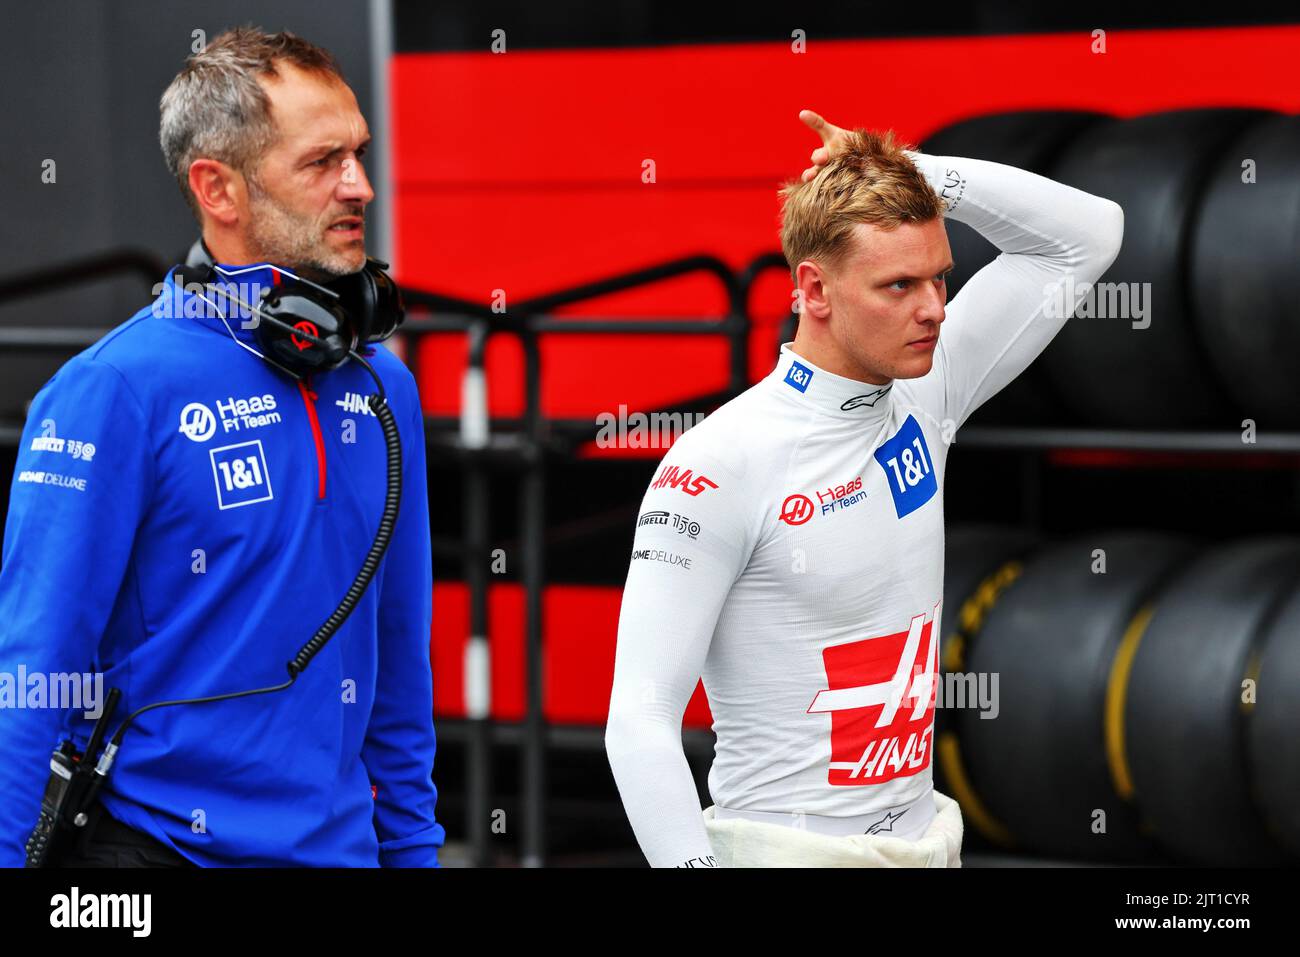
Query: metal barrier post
[(474, 434), (533, 534)]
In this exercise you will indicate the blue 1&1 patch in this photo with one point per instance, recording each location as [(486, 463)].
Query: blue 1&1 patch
[(909, 470), (798, 376)]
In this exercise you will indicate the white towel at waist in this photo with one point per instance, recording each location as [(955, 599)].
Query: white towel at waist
[(738, 842)]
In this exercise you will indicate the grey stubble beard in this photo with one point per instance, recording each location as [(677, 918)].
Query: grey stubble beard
[(279, 236)]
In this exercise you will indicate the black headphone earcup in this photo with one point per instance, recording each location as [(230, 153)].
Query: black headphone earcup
[(373, 301), (387, 307), (357, 297), (305, 313)]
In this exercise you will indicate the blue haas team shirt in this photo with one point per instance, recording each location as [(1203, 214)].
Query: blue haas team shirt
[(183, 517)]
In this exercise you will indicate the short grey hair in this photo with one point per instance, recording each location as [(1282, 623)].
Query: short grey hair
[(216, 109)]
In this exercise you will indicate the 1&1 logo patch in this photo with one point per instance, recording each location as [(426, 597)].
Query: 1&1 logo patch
[(909, 471), (240, 474), (798, 376)]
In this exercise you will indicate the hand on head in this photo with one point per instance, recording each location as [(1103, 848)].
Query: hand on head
[(834, 141)]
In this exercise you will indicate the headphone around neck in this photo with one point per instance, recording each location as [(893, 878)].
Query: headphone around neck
[(305, 328)]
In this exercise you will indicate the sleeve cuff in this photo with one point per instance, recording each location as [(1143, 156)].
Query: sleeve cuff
[(418, 850)]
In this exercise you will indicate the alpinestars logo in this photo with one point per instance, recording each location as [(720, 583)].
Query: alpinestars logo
[(868, 400), (881, 703), (885, 824)]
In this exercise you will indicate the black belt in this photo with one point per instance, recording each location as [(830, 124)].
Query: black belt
[(108, 830)]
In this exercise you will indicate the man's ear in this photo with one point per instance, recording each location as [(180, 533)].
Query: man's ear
[(810, 281), (218, 189)]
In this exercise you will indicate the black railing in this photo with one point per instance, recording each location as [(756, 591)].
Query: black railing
[(87, 269)]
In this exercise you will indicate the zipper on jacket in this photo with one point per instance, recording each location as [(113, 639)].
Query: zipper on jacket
[(309, 401)]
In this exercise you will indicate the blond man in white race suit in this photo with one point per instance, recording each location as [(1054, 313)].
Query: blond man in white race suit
[(789, 549)]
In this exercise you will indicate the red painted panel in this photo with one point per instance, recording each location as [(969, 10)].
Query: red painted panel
[(580, 628), (523, 171), (505, 643), (726, 113)]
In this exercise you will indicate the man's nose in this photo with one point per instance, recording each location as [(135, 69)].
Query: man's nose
[(354, 185), (932, 310)]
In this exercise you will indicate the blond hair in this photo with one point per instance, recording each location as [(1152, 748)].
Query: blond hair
[(871, 181)]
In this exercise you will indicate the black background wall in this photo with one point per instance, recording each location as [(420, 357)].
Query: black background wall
[(80, 82)]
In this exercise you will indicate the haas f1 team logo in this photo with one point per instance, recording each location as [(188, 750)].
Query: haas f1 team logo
[(308, 328), (796, 509), (881, 703), (670, 476)]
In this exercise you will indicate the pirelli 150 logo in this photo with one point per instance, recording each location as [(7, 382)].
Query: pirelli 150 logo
[(679, 523), (881, 699)]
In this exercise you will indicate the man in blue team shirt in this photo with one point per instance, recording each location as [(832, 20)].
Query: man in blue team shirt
[(184, 516)]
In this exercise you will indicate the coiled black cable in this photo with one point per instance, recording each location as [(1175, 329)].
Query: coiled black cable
[(370, 564)]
